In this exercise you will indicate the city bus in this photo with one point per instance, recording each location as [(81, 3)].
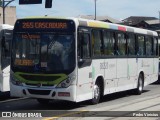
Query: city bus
[(5, 45), (76, 59)]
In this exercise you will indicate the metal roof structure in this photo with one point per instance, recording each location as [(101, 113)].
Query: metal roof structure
[(6, 26), (134, 20), (151, 22), (100, 18)]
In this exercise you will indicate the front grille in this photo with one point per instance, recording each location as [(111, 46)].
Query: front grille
[(39, 92), (40, 77), (37, 85)]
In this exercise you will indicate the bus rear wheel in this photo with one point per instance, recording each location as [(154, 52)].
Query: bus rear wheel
[(43, 101), (140, 85), (97, 93)]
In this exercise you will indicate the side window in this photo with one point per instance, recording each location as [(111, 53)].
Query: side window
[(141, 47), (6, 42), (131, 44), (155, 46), (149, 46), (109, 42), (84, 45), (3, 45), (97, 43), (6, 37), (121, 43)]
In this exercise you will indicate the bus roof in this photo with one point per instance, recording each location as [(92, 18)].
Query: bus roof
[(100, 24), (6, 26), (112, 26)]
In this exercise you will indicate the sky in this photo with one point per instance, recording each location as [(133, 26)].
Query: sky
[(118, 9)]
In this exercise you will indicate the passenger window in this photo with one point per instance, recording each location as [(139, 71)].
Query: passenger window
[(109, 42), (141, 48), (149, 46), (97, 43), (131, 44), (155, 46), (84, 46), (121, 42)]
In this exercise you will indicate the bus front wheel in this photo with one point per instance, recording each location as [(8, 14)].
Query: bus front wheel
[(97, 93)]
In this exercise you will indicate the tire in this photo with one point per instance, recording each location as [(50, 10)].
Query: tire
[(158, 81), (140, 85), (43, 101), (97, 93)]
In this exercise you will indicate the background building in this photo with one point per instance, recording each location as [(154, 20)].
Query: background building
[(150, 23), (10, 15), (135, 20), (100, 18)]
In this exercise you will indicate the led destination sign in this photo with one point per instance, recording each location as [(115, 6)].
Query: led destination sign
[(44, 25), (41, 25)]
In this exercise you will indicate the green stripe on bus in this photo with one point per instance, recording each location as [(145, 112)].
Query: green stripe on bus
[(18, 77), (93, 72)]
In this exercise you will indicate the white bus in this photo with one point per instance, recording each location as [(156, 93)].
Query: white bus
[(76, 59), (5, 44)]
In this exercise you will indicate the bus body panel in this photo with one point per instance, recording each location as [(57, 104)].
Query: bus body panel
[(110, 76), (122, 71), (84, 83), (86, 79), (132, 71), (5, 79), (155, 67)]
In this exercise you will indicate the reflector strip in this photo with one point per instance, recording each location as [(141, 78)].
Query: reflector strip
[(66, 94)]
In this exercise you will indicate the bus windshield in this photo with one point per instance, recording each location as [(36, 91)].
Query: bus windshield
[(43, 52)]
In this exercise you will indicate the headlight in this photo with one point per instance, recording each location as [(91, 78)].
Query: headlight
[(15, 81), (66, 83)]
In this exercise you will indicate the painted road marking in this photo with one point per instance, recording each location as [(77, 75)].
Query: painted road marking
[(66, 115), (13, 100)]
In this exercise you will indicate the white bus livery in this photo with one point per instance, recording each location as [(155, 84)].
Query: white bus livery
[(76, 59), (5, 42)]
